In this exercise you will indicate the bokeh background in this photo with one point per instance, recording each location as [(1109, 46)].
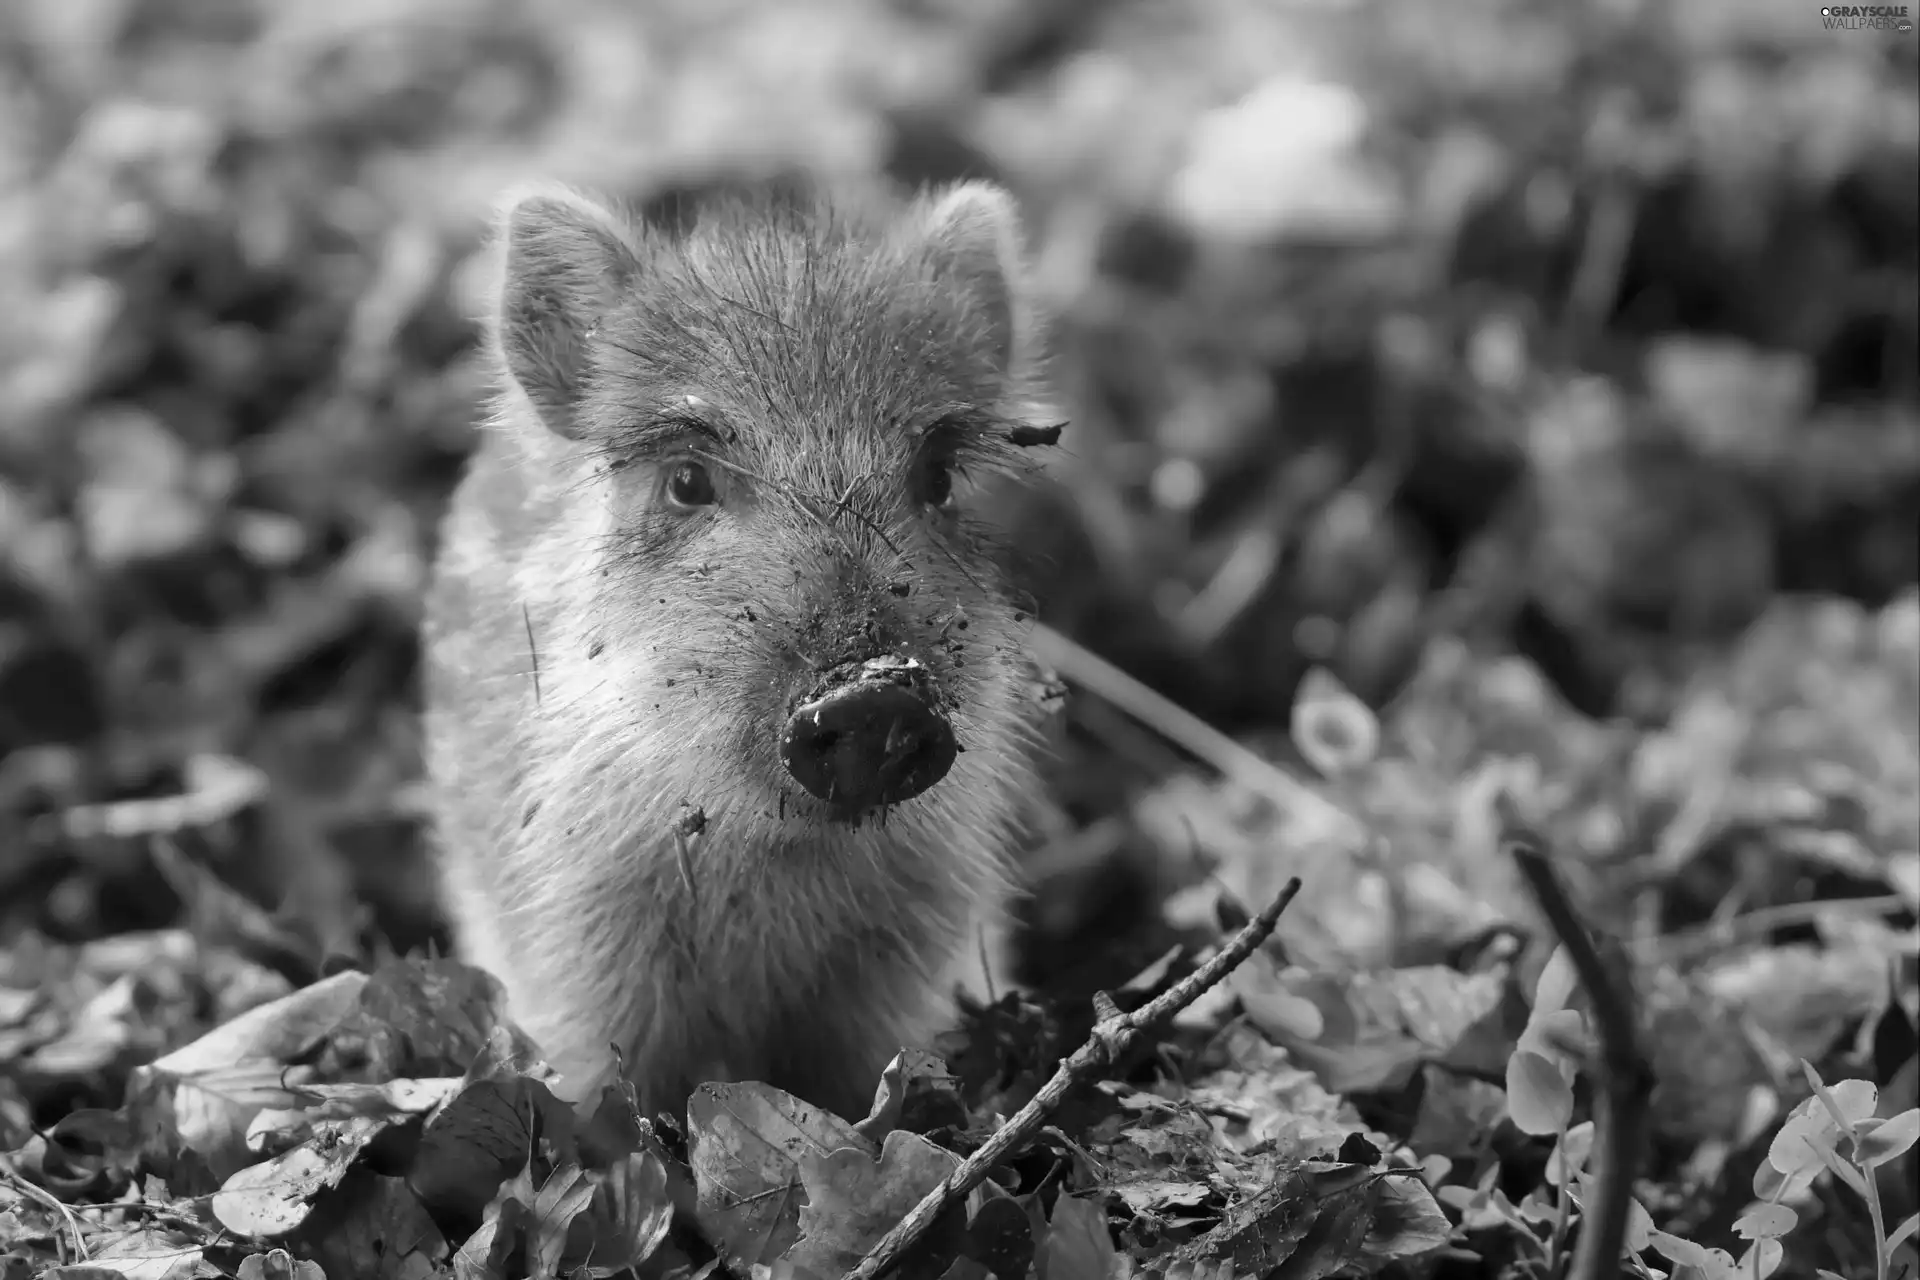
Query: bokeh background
[(1585, 331)]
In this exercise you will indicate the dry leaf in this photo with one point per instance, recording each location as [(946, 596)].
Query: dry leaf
[(746, 1142)]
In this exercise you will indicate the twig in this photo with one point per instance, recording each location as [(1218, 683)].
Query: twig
[(1112, 1036), (1622, 1069), (1075, 663), (1603, 255), (1685, 944), (27, 1187)]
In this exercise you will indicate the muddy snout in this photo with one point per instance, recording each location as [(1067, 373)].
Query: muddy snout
[(868, 735)]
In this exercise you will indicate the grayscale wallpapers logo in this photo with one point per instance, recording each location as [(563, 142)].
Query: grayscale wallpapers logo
[(1867, 17)]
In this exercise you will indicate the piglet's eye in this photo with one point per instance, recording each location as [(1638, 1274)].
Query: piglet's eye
[(933, 481), (689, 485)]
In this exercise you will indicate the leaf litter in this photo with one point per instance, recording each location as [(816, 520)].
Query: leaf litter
[(1301, 1128)]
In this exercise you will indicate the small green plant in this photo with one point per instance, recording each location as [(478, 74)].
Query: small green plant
[(1834, 1133)]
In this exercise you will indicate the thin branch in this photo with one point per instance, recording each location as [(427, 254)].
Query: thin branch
[(1603, 256), (1622, 1069), (1687, 943), (1238, 764), (1112, 1036), (14, 1178)]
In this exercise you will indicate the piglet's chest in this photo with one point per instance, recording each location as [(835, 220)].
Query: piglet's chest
[(786, 938)]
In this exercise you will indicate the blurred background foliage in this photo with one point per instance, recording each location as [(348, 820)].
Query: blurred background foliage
[(1582, 329)]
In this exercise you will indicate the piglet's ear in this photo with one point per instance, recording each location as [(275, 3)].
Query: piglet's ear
[(973, 230), (567, 262)]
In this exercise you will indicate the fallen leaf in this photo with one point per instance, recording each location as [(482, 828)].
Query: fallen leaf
[(914, 1083), (1000, 1239), (1078, 1245), (371, 1226), (277, 1031), (745, 1144), (278, 1264), (1407, 1221), (853, 1200), (481, 1135), (488, 1252), (151, 1253), (1344, 1199), (563, 1197), (203, 1096), (424, 1018), (1456, 1113), (1376, 1029), (1803, 997), (274, 1197), (630, 1214)]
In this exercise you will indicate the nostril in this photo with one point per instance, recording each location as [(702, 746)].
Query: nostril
[(867, 743)]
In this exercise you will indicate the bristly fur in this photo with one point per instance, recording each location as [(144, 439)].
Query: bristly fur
[(811, 358)]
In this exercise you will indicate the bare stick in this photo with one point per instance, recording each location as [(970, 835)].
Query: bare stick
[(1237, 763), (1688, 943), (1623, 1072), (1112, 1036), (28, 1187)]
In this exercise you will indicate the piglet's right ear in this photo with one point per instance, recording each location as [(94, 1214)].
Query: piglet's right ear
[(567, 263)]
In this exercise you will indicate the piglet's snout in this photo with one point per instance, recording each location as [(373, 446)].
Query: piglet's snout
[(868, 735)]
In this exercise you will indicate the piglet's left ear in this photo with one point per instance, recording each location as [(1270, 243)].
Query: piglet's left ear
[(566, 261), (973, 230)]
